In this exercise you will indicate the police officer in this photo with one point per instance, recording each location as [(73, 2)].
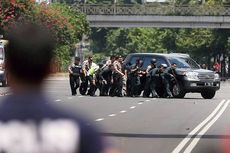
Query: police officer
[(89, 69), (105, 76), (148, 77), (164, 79), (135, 82), (155, 77), (170, 79), (117, 78), (75, 70)]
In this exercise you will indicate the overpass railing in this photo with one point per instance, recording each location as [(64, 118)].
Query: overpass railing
[(196, 10)]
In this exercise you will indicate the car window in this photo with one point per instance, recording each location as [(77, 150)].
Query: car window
[(160, 60), (192, 63), (133, 59), (183, 62)]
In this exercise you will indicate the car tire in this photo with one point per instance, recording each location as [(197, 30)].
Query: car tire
[(208, 94), (177, 91)]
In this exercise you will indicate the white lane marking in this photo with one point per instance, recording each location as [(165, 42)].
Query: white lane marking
[(111, 115), (140, 103), (205, 129), (123, 111), (70, 97), (99, 119), (194, 131), (154, 98), (132, 107), (57, 100), (147, 100), (80, 96)]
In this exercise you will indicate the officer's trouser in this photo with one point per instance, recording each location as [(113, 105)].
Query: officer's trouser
[(92, 86), (116, 87), (153, 86), (167, 87), (147, 87), (135, 85), (104, 88), (74, 83)]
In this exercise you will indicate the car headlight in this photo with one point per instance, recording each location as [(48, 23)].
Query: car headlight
[(192, 76), (216, 76)]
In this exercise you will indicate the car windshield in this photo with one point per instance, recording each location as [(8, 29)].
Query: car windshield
[(184, 62)]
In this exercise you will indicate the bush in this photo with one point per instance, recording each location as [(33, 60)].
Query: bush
[(67, 24)]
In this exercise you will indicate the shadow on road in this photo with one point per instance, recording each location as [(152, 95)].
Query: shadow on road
[(130, 135)]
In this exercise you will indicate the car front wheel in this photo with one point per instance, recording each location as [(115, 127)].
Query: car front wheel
[(209, 94), (177, 91)]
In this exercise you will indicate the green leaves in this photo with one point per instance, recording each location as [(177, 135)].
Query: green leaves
[(124, 41), (67, 24)]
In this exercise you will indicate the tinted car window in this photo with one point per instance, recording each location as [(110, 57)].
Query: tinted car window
[(184, 62), (133, 59), (160, 61)]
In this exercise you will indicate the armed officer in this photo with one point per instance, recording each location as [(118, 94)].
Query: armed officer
[(148, 77), (155, 77), (117, 78), (135, 73), (75, 71), (89, 69), (105, 76), (170, 78)]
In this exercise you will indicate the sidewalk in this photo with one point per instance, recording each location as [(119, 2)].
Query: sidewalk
[(58, 76)]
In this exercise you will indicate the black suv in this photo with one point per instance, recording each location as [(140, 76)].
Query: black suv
[(190, 77)]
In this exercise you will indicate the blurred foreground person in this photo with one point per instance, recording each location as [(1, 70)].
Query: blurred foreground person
[(29, 122)]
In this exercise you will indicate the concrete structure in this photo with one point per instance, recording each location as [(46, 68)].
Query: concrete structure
[(159, 21), (169, 16)]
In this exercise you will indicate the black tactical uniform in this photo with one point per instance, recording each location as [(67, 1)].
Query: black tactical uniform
[(170, 79), (135, 81), (154, 78), (105, 76), (148, 77), (74, 77)]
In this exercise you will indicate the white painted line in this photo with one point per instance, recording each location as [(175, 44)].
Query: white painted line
[(194, 131), (123, 111), (99, 119), (57, 100), (140, 103), (132, 107), (153, 98), (147, 100), (111, 115), (80, 96), (205, 129), (70, 97)]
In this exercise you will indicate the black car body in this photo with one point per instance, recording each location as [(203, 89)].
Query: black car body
[(190, 77)]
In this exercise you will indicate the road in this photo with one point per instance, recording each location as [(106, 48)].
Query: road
[(149, 125)]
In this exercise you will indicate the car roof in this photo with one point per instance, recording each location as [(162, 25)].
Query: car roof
[(161, 54)]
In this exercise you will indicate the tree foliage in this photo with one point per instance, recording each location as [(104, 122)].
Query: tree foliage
[(67, 24)]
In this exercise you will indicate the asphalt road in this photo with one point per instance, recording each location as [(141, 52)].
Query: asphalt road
[(148, 125)]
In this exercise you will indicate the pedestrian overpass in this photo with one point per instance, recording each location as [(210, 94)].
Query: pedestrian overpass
[(166, 16)]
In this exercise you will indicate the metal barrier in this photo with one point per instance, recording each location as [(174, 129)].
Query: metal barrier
[(196, 10)]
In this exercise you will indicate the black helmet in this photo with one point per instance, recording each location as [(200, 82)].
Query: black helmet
[(153, 61)]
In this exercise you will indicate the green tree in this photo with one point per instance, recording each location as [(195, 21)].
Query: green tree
[(124, 41), (67, 24)]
